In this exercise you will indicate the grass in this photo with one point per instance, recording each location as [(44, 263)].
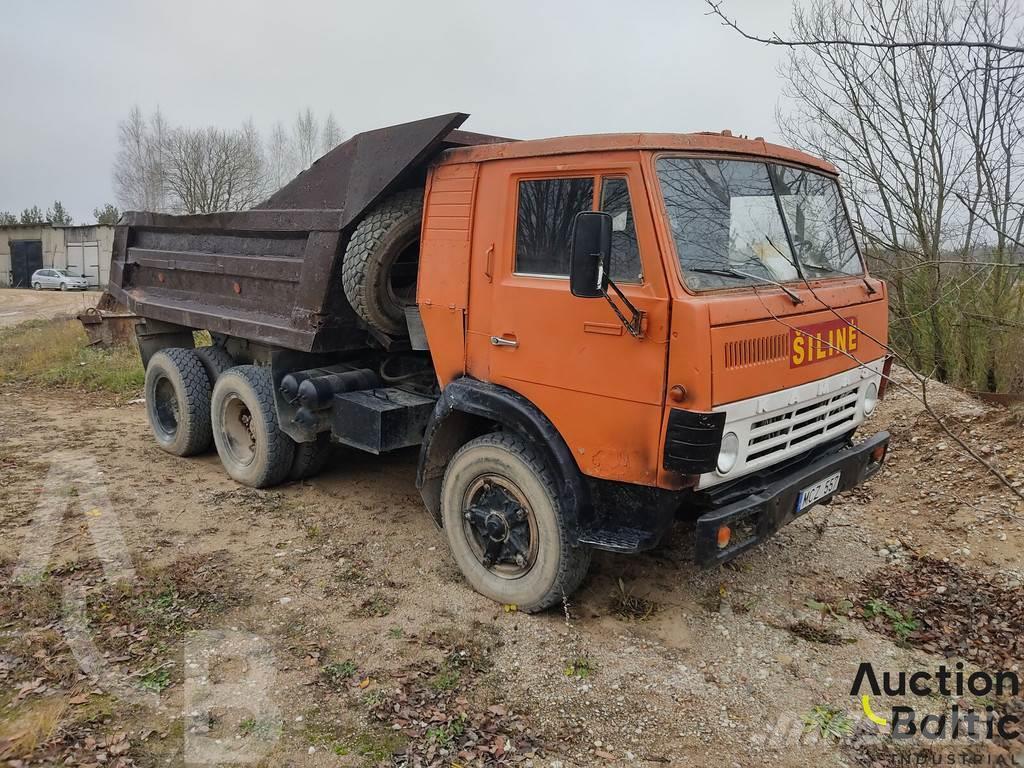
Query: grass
[(55, 353), (340, 672), (902, 624), (445, 734), (30, 727), (630, 607), (828, 723), (581, 667), (375, 747)]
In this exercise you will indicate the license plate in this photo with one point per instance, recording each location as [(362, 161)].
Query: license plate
[(812, 494)]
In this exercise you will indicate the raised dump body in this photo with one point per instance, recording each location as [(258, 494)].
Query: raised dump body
[(272, 274)]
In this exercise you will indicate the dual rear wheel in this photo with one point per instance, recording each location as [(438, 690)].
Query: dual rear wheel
[(507, 526), (236, 413)]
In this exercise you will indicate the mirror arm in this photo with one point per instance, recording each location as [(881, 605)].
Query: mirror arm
[(634, 324)]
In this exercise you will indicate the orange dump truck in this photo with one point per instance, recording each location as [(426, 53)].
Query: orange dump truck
[(588, 338)]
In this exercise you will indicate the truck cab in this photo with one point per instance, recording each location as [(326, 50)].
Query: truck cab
[(724, 376), (589, 338)]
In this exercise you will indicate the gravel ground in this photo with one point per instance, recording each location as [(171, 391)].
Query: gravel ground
[(379, 648)]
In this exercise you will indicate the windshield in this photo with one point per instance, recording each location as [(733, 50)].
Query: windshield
[(728, 228)]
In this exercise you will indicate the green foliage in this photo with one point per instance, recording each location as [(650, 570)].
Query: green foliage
[(581, 667), (828, 722), (445, 734), (7, 219), (107, 215), (33, 215), (340, 672), (156, 680), (902, 624), (960, 323), (58, 214)]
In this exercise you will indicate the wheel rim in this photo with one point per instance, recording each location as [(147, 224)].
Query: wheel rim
[(240, 440), (500, 526), (167, 407), (402, 274)]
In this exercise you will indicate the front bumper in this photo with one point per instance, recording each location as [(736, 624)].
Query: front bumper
[(769, 504)]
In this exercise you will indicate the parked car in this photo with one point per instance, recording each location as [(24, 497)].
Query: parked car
[(58, 279)]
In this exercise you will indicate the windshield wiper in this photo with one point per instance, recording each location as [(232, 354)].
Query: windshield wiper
[(730, 272)]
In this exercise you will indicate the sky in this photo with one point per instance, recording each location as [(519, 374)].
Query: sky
[(528, 69)]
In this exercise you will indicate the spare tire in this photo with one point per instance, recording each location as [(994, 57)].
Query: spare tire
[(379, 269)]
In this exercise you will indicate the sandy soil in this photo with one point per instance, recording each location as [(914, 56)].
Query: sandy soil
[(20, 304), (349, 567)]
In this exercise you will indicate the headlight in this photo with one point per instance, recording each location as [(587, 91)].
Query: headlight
[(729, 453), (870, 398)]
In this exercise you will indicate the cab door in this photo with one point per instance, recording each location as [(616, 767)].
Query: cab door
[(602, 388)]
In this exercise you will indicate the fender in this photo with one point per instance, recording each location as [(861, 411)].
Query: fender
[(468, 408)]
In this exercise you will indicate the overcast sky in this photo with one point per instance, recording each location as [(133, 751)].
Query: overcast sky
[(72, 70)]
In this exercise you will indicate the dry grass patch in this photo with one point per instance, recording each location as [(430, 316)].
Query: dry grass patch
[(56, 353)]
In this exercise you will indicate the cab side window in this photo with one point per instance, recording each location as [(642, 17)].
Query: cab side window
[(626, 264), (544, 221)]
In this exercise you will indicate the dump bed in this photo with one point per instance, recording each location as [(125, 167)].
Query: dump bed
[(272, 274)]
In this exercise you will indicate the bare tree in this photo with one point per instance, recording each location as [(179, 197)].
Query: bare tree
[(331, 134), (139, 178), (307, 137), (282, 163), (865, 35), (210, 170), (928, 138)]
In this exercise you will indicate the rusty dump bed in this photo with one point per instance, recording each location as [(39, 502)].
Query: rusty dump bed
[(272, 274)]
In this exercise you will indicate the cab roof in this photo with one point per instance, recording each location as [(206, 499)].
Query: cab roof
[(705, 142)]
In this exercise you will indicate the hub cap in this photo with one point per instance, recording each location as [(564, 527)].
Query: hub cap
[(166, 406), (240, 440), (500, 526)]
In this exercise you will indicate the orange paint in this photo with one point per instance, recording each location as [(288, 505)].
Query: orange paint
[(605, 391)]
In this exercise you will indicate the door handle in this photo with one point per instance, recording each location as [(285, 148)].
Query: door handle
[(497, 341)]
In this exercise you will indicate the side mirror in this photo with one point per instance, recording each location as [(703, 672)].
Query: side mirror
[(590, 260)]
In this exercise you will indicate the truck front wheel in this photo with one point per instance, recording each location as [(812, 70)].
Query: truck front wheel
[(177, 392), (251, 445), (506, 527)]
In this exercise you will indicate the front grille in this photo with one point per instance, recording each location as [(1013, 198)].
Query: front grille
[(762, 349), (781, 432)]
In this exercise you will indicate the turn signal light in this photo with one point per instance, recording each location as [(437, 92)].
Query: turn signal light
[(724, 535), (878, 453)]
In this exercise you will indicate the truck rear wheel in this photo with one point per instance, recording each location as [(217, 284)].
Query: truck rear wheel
[(310, 458), (379, 268), (506, 527), (215, 360), (250, 443), (177, 392)]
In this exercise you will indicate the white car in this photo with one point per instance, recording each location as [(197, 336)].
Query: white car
[(58, 279)]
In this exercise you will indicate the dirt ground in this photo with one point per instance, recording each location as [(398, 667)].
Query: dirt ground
[(20, 304), (373, 649)]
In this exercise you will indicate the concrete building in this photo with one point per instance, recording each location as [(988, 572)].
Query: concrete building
[(81, 250)]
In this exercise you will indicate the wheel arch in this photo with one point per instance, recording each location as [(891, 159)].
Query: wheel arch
[(468, 408)]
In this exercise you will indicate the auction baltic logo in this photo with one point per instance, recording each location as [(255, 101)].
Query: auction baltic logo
[(958, 723)]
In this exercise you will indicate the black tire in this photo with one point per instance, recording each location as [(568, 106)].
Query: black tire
[(63, 286), (311, 458), (554, 565), (177, 393), (37, 286), (379, 269), (250, 443), (215, 360)]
